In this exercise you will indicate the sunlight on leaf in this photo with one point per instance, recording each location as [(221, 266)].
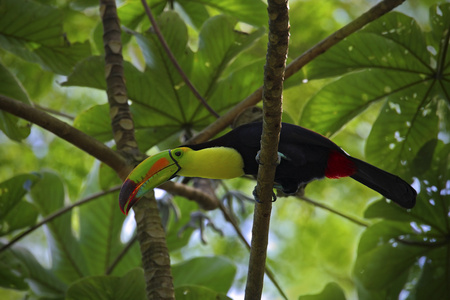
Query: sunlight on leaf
[(67, 259), (14, 212), (397, 66), (36, 34), (330, 291), (204, 271), (413, 244), (15, 128)]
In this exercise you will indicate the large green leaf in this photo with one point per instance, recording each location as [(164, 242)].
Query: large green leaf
[(68, 261), (253, 12), (95, 121), (22, 270), (36, 34), (162, 105), (389, 59), (330, 291), (14, 212), (215, 273), (15, 128), (195, 12), (130, 286), (412, 248), (177, 236), (100, 236)]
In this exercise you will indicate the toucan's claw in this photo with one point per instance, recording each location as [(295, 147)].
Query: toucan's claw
[(255, 195), (280, 156)]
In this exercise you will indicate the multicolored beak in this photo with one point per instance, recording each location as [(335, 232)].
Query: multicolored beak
[(150, 173)]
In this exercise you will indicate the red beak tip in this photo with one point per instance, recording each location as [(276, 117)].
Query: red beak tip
[(126, 196)]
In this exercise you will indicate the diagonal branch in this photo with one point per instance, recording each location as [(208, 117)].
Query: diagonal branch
[(225, 120), (277, 49), (57, 214)]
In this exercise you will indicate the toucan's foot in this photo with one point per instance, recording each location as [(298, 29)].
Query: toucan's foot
[(255, 195), (197, 221)]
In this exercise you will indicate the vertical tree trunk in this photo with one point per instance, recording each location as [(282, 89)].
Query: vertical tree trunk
[(150, 233)]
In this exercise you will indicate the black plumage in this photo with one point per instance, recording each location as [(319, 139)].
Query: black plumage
[(306, 156)]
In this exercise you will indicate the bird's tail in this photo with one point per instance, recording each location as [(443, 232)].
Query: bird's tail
[(387, 184)]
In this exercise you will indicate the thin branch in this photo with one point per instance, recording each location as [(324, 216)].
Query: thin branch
[(54, 112), (174, 60), (277, 49), (67, 133), (121, 255), (57, 214), (372, 14), (225, 120), (241, 236), (205, 200), (334, 211)]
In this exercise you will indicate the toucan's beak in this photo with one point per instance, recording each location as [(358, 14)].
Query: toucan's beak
[(150, 173)]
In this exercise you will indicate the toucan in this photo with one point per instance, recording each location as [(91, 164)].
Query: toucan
[(304, 156)]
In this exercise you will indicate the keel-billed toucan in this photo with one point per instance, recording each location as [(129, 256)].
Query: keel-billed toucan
[(304, 156)]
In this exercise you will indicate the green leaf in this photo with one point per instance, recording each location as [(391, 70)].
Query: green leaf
[(176, 235), (162, 105), (198, 292), (24, 270), (330, 291), (15, 128), (89, 72), (402, 128), (216, 273), (397, 255), (100, 236), (131, 13), (342, 100), (383, 256), (130, 286), (386, 43), (36, 35), (397, 65), (15, 213), (253, 12), (196, 13), (95, 122), (68, 261)]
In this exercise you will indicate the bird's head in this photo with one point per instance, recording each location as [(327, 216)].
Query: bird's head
[(214, 163), (150, 173)]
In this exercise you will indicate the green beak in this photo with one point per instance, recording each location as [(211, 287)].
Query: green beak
[(150, 173)]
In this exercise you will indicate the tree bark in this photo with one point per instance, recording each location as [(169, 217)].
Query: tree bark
[(274, 69), (150, 232)]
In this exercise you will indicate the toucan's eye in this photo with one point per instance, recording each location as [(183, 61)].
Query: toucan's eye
[(178, 153)]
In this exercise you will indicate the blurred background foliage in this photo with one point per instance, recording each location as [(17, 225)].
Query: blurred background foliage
[(382, 94)]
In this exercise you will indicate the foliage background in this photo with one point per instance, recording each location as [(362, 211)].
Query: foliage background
[(382, 94)]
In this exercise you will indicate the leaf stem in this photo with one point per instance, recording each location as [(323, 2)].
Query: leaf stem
[(334, 211)]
